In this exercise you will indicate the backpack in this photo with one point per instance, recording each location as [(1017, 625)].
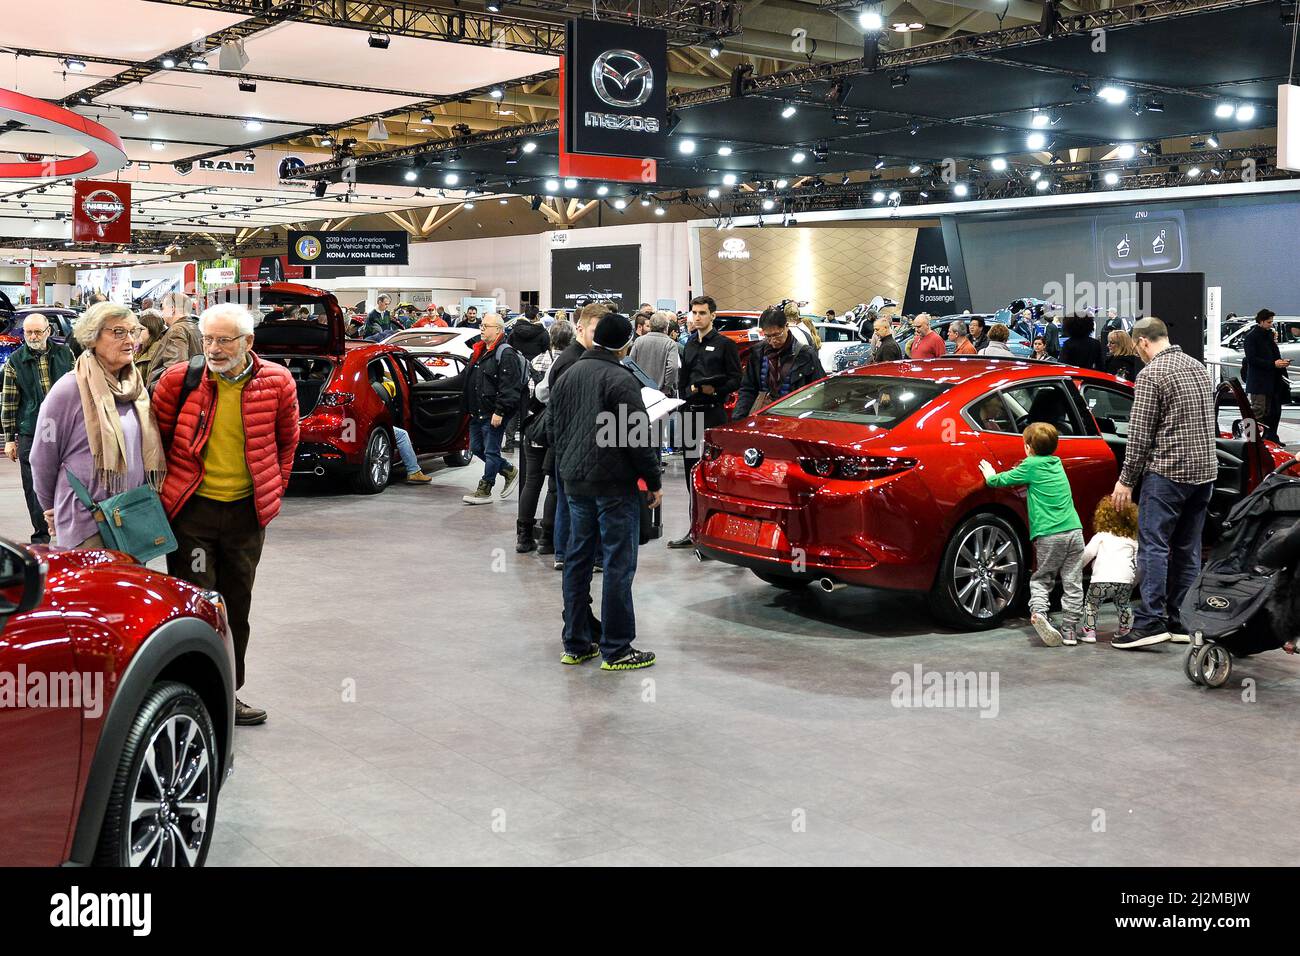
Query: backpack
[(527, 374)]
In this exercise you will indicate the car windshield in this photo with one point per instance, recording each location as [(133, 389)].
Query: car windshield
[(734, 323), (424, 339), (882, 400)]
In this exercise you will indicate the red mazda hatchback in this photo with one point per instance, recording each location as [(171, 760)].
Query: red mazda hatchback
[(871, 477), (117, 711), (352, 393)]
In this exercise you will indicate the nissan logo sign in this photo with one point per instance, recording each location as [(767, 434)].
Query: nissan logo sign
[(616, 73), (102, 207), (753, 457)]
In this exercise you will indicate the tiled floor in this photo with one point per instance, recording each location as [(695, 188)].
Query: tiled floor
[(419, 715)]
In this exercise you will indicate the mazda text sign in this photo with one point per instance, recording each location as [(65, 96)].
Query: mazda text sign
[(617, 96)]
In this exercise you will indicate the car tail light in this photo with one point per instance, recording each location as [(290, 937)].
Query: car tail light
[(712, 452), (336, 398), (856, 467)]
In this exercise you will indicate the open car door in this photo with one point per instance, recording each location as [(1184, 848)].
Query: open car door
[(295, 319), (437, 422)]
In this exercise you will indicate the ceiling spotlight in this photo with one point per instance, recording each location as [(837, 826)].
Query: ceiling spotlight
[(880, 164), (1155, 105), (75, 66), (960, 189), (1194, 172), (247, 86), (327, 140), (426, 119), (1035, 141), (645, 201), (878, 196), (252, 125), (906, 19), (570, 184), (788, 111), (659, 210), (529, 146), (724, 150), (411, 176), (1034, 173), (715, 48), (923, 194), (914, 129), (1245, 113), (451, 179), (168, 62), (1039, 120), (781, 183), (139, 115), (1125, 151), (686, 147), (998, 164), (1043, 185), (379, 41), (620, 203), (460, 129), (378, 132), (1223, 109), (157, 146), (503, 201), (552, 185), (320, 187), (1212, 142), (1082, 86), (821, 152), (232, 57), (899, 79), (768, 205), (914, 168), (1216, 172), (870, 20), (468, 204), (493, 6), (497, 92), (894, 196), (198, 63), (1111, 178), (1114, 95), (730, 179), (799, 157), (714, 192)]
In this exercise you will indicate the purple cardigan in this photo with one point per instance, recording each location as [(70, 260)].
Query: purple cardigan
[(61, 442)]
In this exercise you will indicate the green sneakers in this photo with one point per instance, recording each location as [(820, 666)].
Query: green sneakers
[(593, 651), (481, 496), (632, 660)]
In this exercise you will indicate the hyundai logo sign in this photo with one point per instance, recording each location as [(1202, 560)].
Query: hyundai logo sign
[(733, 248)]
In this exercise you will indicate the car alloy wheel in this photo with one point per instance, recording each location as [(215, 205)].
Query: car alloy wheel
[(378, 464), (986, 573), (169, 801)]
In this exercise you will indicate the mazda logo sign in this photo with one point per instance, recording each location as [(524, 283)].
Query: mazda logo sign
[(622, 78), (753, 457)]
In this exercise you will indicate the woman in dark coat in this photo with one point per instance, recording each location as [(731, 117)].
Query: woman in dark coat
[(1081, 349)]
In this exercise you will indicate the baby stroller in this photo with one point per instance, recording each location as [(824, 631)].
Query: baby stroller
[(1247, 598)]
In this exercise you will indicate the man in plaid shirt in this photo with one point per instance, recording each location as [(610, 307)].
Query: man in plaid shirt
[(1171, 451)]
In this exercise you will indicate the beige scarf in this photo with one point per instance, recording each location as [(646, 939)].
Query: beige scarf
[(100, 393)]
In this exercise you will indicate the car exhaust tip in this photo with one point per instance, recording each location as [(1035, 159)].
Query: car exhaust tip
[(699, 555), (319, 471), (830, 585)]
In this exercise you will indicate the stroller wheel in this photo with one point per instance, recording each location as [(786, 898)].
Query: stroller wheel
[(1213, 664), (1189, 665)]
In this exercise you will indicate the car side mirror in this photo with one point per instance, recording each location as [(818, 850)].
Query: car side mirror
[(22, 580), (1107, 425)]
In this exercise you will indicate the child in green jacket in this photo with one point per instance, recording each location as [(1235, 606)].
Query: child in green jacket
[(1054, 529)]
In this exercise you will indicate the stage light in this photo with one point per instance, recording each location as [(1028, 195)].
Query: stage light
[(768, 205), (781, 183), (1114, 95), (602, 190), (906, 18), (411, 175), (426, 119), (894, 196), (451, 179), (158, 147), (799, 157), (247, 86), (729, 179), (1082, 86), (75, 66), (686, 147), (870, 20), (821, 153), (327, 140), (198, 63), (1039, 120), (1043, 185), (923, 194), (898, 80), (659, 210), (1111, 178), (1035, 141), (139, 115), (878, 196), (715, 49), (960, 189), (529, 146), (319, 188), (880, 164), (497, 92), (1194, 172), (493, 6), (252, 125), (788, 111), (1155, 105), (620, 203), (1223, 109), (168, 62), (552, 185), (1034, 173), (914, 169), (714, 192), (724, 150), (645, 201), (1216, 172), (1125, 151), (1245, 113), (570, 183), (998, 164), (379, 41), (1211, 142)]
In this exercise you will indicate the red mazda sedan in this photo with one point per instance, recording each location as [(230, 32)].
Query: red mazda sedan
[(347, 412), (117, 711), (871, 477)]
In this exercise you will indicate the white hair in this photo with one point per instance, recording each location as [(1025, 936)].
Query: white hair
[(88, 327), (242, 318)]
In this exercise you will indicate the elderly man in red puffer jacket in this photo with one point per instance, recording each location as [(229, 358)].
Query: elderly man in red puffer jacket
[(230, 449)]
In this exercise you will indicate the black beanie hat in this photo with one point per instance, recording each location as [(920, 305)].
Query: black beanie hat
[(613, 332)]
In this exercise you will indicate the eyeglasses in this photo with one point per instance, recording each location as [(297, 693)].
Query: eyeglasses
[(773, 333), (121, 332), (37, 334), (225, 341)]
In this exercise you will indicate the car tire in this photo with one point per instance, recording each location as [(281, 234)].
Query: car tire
[(781, 581), (377, 465), (985, 602), (185, 790), (458, 459)]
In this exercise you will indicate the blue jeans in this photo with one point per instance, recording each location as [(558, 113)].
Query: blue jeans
[(406, 450), (612, 524), (1171, 521), (560, 536), (485, 443)]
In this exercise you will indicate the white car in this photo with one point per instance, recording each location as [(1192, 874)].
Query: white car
[(1287, 329), (834, 336), (438, 348)]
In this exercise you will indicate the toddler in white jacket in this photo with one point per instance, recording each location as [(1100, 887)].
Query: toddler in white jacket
[(1112, 552)]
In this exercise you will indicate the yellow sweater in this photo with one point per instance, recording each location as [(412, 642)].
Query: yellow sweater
[(226, 475)]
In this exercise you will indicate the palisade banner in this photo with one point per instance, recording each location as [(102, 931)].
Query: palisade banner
[(616, 90), (929, 284), (361, 248)]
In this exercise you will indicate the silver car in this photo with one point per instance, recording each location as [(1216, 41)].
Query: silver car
[(1287, 328)]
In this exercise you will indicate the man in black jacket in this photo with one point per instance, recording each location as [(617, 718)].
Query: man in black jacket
[(776, 368), (1265, 369), (710, 372), (603, 442), (494, 389)]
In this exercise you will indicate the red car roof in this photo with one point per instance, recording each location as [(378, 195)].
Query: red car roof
[(960, 371)]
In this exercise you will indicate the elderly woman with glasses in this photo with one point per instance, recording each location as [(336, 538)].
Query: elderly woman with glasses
[(96, 423)]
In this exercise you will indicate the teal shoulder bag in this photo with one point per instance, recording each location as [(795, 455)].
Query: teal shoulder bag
[(133, 521)]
